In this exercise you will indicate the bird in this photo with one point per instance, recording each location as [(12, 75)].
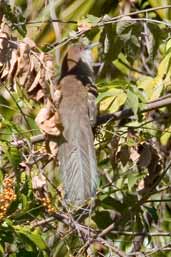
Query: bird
[(78, 112)]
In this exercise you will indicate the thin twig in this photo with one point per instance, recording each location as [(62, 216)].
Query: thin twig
[(112, 19), (132, 233)]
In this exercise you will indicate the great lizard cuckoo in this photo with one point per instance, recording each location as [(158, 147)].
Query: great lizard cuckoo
[(77, 108)]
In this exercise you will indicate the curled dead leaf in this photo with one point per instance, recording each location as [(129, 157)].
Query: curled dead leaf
[(3, 48), (38, 182), (57, 97), (145, 152), (124, 154), (149, 159), (53, 147), (49, 121), (114, 149)]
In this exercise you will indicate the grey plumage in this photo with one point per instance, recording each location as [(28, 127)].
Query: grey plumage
[(78, 111)]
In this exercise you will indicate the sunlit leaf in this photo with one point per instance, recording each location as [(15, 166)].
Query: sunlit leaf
[(112, 100), (132, 101), (132, 180), (165, 136), (122, 64)]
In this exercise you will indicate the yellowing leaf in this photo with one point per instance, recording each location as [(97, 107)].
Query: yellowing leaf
[(165, 137), (164, 66), (168, 45), (106, 103), (108, 93), (158, 87), (113, 99), (151, 86), (132, 101), (163, 13), (119, 64), (147, 84), (132, 180), (119, 101)]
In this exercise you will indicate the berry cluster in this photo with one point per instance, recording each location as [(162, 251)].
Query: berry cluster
[(6, 196), (47, 204)]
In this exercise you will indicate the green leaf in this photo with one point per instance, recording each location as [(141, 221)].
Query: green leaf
[(92, 19), (153, 213), (157, 89), (121, 64), (147, 84), (1, 249), (14, 156), (132, 101), (124, 25), (132, 180), (110, 92), (152, 86), (24, 201), (164, 66), (102, 219), (111, 203), (15, 18), (112, 100), (165, 136), (168, 46), (105, 85), (32, 236), (118, 102)]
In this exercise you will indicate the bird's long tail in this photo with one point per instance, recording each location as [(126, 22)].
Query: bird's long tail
[(77, 154)]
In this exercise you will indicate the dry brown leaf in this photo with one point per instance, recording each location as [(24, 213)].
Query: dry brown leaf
[(3, 48), (35, 82), (38, 182), (39, 96), (145, 151), (150, 159), (124, 154), (42, 116), (53, 147), (114, 149), (4, 73), (13, 65), (48, 121), (23, 64), (29, 42), (56, 97)]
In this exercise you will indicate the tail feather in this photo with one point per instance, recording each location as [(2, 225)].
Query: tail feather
[(77, 155)]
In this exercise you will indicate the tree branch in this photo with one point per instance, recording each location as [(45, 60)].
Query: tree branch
[(128, 112), (88, 233)]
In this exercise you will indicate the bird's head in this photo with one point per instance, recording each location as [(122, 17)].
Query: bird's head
[(78, 61)]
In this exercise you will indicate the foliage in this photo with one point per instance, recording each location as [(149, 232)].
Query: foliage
[(132, 63)]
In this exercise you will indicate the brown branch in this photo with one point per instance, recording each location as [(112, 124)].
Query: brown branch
[(88, 233), (142, 11), (128, 112), (45, 21), (33, 140)]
